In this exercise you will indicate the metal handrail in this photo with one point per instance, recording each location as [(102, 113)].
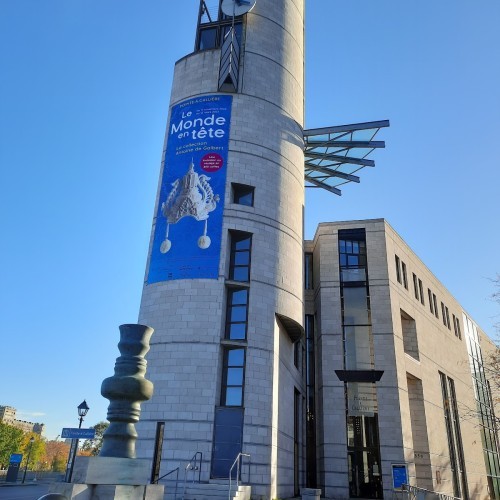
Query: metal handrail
[(415, 490), (237, 463), (192, 465), (176, 479)]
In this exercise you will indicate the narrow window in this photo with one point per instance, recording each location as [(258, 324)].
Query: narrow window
[(405, 278), (421, 288), (237, 313), (398, 269), (308, 271), (458, 329), (431, 307), (443, 314), (436, 312), (239, 264), (415, 286), (447, 313), (232, 377), (243, 194), (449, 433)]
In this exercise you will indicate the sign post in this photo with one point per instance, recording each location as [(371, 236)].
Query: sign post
[(74, 434), (13, 470)]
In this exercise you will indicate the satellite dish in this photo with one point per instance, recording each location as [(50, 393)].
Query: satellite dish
[(237, 7)]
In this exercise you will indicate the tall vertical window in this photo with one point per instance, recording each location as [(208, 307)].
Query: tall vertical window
[(431, 304), (232, 377), (415, 286), (308, 271), (447, 314), (398, 269), (405, 277), (363, 445), (456, 327), (421, 288), (449, 434), (434, 300), (453, 432), (237, 313), (443, 314), (310, 403), (458, 437), (239, 264)]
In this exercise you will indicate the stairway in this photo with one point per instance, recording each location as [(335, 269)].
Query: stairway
[(209, 491)]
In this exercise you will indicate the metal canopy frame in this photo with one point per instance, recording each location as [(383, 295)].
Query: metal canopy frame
[(334, 154)]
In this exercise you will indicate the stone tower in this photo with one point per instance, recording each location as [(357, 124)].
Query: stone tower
[(224, 278)]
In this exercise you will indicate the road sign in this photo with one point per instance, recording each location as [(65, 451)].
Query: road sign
[(16, 458), (71, 433)]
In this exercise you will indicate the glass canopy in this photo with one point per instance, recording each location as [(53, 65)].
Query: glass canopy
[(334, 154)]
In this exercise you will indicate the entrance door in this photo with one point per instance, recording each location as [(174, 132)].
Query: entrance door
[(364, 474)]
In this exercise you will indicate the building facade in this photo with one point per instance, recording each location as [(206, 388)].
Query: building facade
[(8, 416), (322, 368), (399, 375)]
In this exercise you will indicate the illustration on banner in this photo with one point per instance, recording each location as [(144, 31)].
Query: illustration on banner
[(191, 196)]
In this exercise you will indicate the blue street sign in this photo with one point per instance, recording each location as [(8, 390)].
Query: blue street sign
[(16, 458), (72, 433)]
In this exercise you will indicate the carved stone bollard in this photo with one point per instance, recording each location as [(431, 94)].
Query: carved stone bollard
[(126, 389)]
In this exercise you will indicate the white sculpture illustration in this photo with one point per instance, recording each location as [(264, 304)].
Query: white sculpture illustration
[(191, 196)]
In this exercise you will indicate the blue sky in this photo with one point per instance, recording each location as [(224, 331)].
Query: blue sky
[(84, 92)]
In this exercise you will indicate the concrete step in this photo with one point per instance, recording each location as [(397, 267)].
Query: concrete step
[(207, 491)]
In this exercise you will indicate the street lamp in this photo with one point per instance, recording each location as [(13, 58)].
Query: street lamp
[(83, 409), (32, 440)]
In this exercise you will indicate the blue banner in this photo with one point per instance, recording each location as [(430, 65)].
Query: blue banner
[(188, 229)]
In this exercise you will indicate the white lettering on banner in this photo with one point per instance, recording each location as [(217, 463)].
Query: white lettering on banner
[(196, 128)]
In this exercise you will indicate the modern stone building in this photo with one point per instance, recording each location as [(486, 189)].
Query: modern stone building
[(399, 371), (254, 350)]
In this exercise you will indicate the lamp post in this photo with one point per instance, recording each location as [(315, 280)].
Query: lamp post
[(83, 409), (32, 439)]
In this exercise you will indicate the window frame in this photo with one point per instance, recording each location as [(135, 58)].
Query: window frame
[(236, 187), (398, 269), (235, 238), (405, 276), (225, 370), (230, 306)]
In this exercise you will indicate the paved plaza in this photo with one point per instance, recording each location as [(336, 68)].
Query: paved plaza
[(23, 492)]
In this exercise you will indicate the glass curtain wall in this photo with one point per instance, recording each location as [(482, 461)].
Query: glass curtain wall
[(484, 403), (363, 445)]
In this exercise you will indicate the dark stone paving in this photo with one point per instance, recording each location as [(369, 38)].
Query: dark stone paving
[(27, 491)]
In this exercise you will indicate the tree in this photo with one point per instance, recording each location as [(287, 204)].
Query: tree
[(35, 450), (94, 445), (11, 439), (55, 456)]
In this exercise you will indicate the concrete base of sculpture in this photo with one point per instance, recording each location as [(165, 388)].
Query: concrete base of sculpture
[(110, 478)]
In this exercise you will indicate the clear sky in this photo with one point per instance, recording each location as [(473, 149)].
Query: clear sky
[(84, 93)]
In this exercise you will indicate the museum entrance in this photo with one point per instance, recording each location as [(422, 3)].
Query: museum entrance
[(365, 480)]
